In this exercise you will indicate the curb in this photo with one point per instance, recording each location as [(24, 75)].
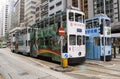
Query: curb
[(61, 69)]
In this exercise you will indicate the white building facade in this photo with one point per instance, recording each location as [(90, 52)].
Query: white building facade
[(1, 22), (30, 8), (5, 27), (57, 6), (112, 8)]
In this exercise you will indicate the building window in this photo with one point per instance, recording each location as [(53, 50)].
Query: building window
[(32, 12), (75, 3), (50, 0), (33, 2), (37, 15), (52, 7), (32, 7), (51, 14), (42, 1), (37, 9), (59, 3), (58, 11), (116, 17)]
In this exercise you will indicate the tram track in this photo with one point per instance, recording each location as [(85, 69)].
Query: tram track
[(102, 71), (93, 73), (116, 60), (105, 70), (99, 70), (109, 67)]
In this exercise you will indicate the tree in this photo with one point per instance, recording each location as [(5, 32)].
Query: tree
[(2, 39)]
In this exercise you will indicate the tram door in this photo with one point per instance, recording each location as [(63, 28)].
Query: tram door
[(89, 48), (96, 48), (107, 46)]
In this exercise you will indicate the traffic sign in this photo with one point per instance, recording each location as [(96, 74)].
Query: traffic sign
[(64, 55), (61, 31)]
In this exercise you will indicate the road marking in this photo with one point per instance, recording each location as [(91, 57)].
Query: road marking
[(10, 76)]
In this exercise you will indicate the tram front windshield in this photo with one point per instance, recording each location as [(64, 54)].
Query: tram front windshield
[(107, 41), (77, 17), (73, 38), (107, 22)]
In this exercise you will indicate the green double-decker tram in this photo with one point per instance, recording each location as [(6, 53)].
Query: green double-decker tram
[(46, 41)]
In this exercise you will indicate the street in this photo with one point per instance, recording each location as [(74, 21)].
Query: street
[(16, 66)]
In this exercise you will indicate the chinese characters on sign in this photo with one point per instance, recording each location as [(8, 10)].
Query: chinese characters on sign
[(91, 31)]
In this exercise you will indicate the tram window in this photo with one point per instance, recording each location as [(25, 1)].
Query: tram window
[(25, 31), (78, 17), (108, 41), (71, 16), (32, 30), (39, 27), (97, 41), (29, 30), (46, 41), (88, 24), (26, 42), (42, 24), (13, 34), (102, 21), (107, 22), (29, 42), (84, 40), (103, 41), (22, 32), (83, 19), (64, 17), (96, 23), (79, 40), (87, 38), (72, 40), (41, 41), (13, 43)]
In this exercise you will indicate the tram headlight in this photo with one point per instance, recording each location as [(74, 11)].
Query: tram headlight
[(79, 54)]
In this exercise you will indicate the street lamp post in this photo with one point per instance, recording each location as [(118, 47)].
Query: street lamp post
[(104, 31)]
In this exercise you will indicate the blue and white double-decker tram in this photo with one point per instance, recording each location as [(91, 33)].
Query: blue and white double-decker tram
[(98, 42)]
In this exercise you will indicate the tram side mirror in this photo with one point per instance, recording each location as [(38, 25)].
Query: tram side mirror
[(101, 29)]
